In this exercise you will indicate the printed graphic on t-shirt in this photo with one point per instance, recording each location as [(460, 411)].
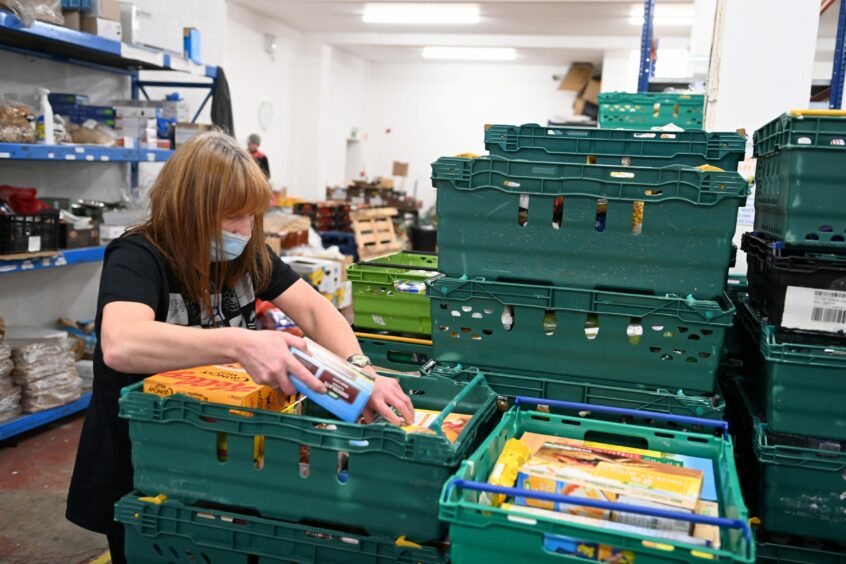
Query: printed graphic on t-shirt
[(235, 307)]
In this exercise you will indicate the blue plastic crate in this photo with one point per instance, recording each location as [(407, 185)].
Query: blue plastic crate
[(76, 4)]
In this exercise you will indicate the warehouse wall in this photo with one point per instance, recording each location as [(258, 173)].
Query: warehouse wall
[(419, 112)]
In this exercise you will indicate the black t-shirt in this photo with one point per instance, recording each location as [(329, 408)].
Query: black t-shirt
[(135, 271)]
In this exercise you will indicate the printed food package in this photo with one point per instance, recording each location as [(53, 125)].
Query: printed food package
[(452, 426), (228, 384)]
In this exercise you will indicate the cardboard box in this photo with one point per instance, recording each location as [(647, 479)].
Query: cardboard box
[(106, 9), (591, 91), (124, 110), (451, 427), (73, 19), (399, 169), (228, 384), (182, 132), (150, 29), (577, 77), (101, 27), (322, 274)]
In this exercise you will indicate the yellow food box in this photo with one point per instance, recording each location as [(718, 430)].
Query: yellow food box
[(228, 384)]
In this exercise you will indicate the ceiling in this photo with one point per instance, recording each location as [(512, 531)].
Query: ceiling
[(554, 32)]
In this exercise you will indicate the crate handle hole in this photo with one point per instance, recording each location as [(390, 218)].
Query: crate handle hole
[(666, 357), (455, 313), (466, 308), (658, 328), (343, 467), (707, 332), (557, 212), (839, 141), (523, 210), (697, 440), (678, 352), (664, 435), (705, 354), (158, 549), (465, 329), (812, 237), (682, 329), (222, 447), (654, 349), (454, 334), (487, 331), (507, 317), (190, 555), (635, 330), (540, 418), (258, 451), (826, 229), (601, 214), (416, 392), (304, 461), (691, 360), (653, 192), (621, 174), (837, 238), (476, 315), (644, 135), (444, 328), (637, 218), (363, 443), (804, 140), (476, 337), (550, 322), (174, 552), (206, 558), (444, 306), (488, 310), (591, 326), (693, 337)]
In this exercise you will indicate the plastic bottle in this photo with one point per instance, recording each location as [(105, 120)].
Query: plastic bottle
[(48, 137)]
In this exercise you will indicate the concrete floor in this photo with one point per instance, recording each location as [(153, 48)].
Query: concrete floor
[(35, 470)]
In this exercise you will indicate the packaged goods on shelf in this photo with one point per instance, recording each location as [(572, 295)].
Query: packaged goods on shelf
[(150, 28), (17, 122), (44, 370), (10, 403), (322, 274), (85, 369)]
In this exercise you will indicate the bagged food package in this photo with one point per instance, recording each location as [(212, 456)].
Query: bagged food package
[(28, 11), (45, 366), (85, 369), (6, 367), (6, 385), (17, 121), (30, 350), (5, 350), (10, 404), (65, 388), (92, 133)]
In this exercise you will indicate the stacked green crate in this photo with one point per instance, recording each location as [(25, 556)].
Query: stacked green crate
[(794, 326), (643, 110), (271, 477), (588, 255)]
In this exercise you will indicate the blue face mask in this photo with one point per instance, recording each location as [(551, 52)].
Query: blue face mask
[(233, 247)]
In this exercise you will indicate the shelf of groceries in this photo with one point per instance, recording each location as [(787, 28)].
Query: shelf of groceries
[(81, 153)]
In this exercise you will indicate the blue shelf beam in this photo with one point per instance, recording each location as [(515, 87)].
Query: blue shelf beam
[(65, 257), (645, 71), (26, 423), (77, 47), (80, 153), (838, 70)]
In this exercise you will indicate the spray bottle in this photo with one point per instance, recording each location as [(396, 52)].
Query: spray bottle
[(46, 134)]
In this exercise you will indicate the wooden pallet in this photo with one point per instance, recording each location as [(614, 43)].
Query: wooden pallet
[(374, 232)]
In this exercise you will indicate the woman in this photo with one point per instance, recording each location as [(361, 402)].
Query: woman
[(179, 291)]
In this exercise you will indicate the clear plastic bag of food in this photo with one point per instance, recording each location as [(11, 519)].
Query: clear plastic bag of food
[(92, 133), (55, 398), (28, 351), (17, 121), (5, 350), (44, 367), (6, 367), (28, 11), (52, 382), (10, 404)]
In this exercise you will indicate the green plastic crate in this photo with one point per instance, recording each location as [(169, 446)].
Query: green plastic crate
[(510, 386), (799, 388), (480, 533), (650, 109), (733, 351), (172, 531), (617, 147), (794, 490), (395, 355), (544, 222), (376, 477), (386, 295), (606, 337), (801, 167), (789, 554)]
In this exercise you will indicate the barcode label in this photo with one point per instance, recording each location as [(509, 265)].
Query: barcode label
[(814, 310)]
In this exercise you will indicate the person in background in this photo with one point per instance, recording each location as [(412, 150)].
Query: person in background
[(180, 291), (253, 142)]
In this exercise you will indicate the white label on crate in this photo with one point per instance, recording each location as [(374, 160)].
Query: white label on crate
[(34, 244), (814, 310), (746, 214)]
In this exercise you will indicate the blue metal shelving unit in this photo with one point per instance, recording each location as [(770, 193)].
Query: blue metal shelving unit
[(84, 153), (64, 257), (58, 43), (645, 71), (838, 70), (26, 423)]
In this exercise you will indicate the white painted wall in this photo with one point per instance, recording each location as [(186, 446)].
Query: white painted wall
[(620, 70), (419, 112)]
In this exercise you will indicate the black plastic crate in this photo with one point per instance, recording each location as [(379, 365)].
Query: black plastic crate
[(774, 266), (29, 233)]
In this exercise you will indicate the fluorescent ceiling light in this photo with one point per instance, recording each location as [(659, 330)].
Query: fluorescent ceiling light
[(470, 53), (421, 13), (664, 15)]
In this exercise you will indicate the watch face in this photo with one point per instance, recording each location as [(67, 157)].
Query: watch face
[(359, 360)]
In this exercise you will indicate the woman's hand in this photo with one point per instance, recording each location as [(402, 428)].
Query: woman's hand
[(266, 356), (387, 393)]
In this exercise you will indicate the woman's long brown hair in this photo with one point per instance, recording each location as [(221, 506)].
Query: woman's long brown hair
[(205, 180)]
